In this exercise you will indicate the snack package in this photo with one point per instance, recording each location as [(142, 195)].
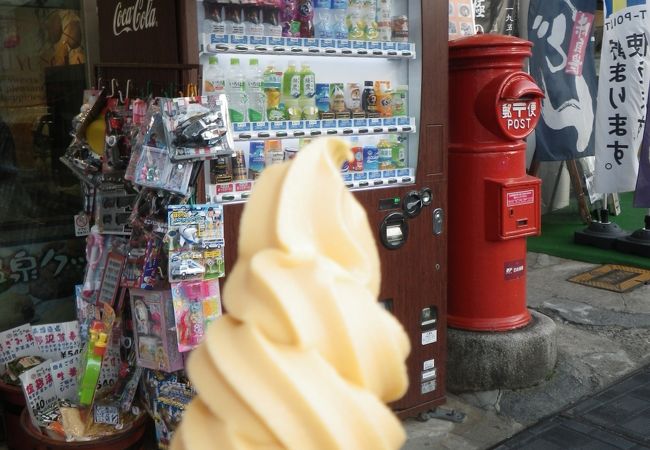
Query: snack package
[(196, 305)]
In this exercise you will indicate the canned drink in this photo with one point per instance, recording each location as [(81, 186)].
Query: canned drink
[(239, 172), (255, 160), (221, 169)]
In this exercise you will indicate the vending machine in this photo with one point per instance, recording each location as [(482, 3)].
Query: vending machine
[(373, 72)]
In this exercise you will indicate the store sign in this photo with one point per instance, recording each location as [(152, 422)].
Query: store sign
[(137, 31), (134, 18)]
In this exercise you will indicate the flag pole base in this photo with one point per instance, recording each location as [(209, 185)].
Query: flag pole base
[(638, 242), (602, 234)]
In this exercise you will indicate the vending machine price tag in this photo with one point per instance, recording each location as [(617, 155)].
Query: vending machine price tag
[(276, 41), (309, 42), (238, 39), (390, 121), (278, 126), (294, 42), (296, 125), (312, 124), (389, 45), (359, 44), (260, 126), (218, 38), (360, 122), (241, 126), (374, 122), (403, 121), (329, 123), (343, 43), (327, 43), (258, 40), (374, 45)]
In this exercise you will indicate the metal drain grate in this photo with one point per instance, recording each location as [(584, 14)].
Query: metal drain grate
[(613, 277)]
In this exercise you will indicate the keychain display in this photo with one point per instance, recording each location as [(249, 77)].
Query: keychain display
[(138, 306)]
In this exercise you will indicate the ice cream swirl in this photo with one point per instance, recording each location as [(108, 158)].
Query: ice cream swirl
[(306, 357)]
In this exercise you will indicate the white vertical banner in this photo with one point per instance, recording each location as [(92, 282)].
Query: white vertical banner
[(622, 95)]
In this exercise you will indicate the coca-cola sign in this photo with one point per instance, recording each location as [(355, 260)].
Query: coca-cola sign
[(135, 17), (138, 31)]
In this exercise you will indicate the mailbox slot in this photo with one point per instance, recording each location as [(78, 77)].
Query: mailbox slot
[(512, 208)]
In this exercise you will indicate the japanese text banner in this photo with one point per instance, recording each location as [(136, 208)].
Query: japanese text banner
[(622, 95), (563, 66)]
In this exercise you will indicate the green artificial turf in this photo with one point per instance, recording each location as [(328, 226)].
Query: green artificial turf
[(557, 236)]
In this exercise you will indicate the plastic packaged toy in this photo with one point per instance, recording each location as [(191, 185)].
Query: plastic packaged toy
[(197, 127), (196, 305), (155, 338), (195, 238)]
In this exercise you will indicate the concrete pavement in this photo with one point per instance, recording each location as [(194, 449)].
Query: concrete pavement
[(602, 336)]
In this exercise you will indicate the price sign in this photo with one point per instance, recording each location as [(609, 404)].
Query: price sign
[(39, 390), (57, 340)]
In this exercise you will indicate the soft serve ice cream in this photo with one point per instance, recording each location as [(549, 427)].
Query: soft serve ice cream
[(306, 357)]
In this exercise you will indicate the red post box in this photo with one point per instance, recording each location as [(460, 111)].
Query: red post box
[(493, 204)]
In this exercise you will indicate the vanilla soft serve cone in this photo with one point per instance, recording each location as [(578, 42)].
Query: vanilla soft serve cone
[(306, 357)]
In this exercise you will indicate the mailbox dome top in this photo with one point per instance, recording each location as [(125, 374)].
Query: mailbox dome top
[(491, 49)]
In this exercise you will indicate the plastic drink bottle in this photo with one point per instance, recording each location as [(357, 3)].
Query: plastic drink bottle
[(369, 98), (356, 25), (215, 78), (306, 18), (323, 27), (291, 92), (307, 102), (369, 19), (256, 97), (272, 86), (338, 16), (235, 91), (400, 100)]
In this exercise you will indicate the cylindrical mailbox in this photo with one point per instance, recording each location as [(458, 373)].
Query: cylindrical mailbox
[(493, 204)]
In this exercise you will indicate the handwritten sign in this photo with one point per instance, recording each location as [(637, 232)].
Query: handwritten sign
[(57, 340), (64, 372), (39, 390), (15, 343)]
